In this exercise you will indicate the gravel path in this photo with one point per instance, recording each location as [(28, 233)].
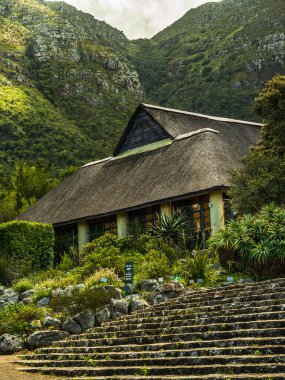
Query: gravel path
[(8, 371)]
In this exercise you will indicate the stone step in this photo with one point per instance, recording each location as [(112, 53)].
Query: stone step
[(168, 308), (182, 314), (253, 368), (209, 351), (210, 335), (163, 361), (183, 329), (223, 293), (188, 320), (182, 310), (232, 343), (227, 292), (245, 376)]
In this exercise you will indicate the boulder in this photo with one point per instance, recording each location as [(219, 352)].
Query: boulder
[(166, 292), (69, 290), (45, 338), (148, 285), (102, 316), (173, 286), (71, 326), (57, 293), (245, 281), (26, 294), (136, 305), (43, 302), (9, 344), (118, 308), (26, 301), (51, 322), (113, 292), (86, 319)]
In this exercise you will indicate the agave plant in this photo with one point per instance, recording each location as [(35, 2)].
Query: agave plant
[(171, 228)]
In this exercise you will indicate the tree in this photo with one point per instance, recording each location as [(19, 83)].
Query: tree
[(22, 188), (262, 178)]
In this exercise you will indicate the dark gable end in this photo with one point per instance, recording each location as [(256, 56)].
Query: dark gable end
[(141, 130)]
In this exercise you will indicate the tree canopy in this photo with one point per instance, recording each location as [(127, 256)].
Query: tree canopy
[(262, 178)]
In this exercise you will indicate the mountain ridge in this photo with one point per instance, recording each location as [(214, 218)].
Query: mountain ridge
[(69, 82)]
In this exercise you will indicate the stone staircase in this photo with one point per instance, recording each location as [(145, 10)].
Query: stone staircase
[(235, 332)]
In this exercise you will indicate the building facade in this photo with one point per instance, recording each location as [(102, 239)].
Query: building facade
[(165, 161)]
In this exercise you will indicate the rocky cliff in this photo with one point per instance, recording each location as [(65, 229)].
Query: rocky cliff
[(67, 88), (69, 83), (216, 58)]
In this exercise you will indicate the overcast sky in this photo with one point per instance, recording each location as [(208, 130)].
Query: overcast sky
[(137, 18)]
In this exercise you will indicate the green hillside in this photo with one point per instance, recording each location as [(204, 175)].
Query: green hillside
[(216, 58), (69, 83), (66, 87)]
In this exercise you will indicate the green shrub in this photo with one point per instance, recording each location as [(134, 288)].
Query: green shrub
[(95, 279), (254, 244), (17, 318), (23, 285), (82, 299), (7, 271), (155, 265), (28, 241), (152, 255), (66, 262), (197, 265)]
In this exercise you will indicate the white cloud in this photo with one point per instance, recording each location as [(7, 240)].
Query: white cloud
[(137, 18)]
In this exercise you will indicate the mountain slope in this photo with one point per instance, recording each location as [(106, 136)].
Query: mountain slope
[(66, 88), (216, 58)]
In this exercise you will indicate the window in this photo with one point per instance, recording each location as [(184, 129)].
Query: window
[(99, 227), (197, 212), (65, 238)]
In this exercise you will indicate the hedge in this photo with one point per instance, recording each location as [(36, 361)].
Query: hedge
[(28, 241)]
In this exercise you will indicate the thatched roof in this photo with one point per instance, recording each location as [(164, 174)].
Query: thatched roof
[(202, 152)]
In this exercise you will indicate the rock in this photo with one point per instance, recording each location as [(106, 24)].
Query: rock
[(80, 286), (245, 281), (167, 291), (114, 292), (136, 305), (45, 338), (51, 322), (86, 319), (71, 326), (57, 293), (9, 297), (26, 301), (26, 294), (148, 285), (102, 316), (69, 290), (173, 286), (1, 291), (9, 344), (43, 302), (118, 308)]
